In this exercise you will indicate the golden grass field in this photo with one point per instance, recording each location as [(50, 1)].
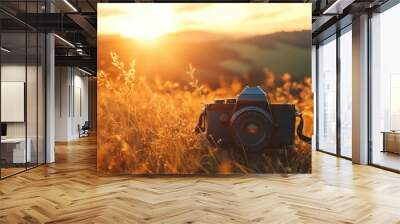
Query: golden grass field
[(146, 125)]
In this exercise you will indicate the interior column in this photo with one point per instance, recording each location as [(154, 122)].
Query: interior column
[(360, 90)]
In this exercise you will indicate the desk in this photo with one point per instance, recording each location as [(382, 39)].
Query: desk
[(391, 141), (13, 150)]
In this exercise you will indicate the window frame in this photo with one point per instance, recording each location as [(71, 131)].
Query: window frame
[(333, 37)]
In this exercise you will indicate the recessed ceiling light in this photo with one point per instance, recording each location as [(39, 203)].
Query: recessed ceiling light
[(84, 71), (70, 5), (337, 7), (5, 50), (65, 41)]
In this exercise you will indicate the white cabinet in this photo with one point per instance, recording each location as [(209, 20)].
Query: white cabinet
[(16, 147)]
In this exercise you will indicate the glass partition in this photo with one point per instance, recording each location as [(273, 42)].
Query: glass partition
[(346, 92), (14, 151), (327, 95), (385, 89), (22, 67)]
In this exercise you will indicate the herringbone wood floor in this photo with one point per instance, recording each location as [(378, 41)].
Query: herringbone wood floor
[(69, 191)]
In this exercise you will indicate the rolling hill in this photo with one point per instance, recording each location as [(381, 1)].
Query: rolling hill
[(214, 56)]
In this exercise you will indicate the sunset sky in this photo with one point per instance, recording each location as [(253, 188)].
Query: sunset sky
[(146, 21)]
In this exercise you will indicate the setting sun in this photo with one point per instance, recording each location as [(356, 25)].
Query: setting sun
[(141, 25), (146, 23)]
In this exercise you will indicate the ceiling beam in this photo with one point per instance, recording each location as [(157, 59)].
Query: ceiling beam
[(49, 22), (83, 23), (337, 7), (78, 61)]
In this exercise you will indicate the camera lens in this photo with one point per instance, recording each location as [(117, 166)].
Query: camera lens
[(252, 129)]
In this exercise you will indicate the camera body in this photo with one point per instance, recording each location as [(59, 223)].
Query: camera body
[(250, 122)]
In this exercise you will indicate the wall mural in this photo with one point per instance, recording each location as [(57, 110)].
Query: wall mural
[(202, 88)]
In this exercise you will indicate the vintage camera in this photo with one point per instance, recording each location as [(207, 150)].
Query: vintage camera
[(250, 122)]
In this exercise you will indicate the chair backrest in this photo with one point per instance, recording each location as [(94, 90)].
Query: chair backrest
[(86, 125)]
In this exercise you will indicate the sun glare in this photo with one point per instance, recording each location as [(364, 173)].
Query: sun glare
[(149, 23)]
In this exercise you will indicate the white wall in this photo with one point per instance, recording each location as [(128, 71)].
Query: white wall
[(12, 73), (62, 82), (71, 102), (81, 103)]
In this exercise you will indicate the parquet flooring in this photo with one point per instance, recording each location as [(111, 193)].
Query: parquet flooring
[(69, 191), (10, 171)]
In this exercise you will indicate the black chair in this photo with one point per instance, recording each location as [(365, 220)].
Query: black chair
[(84, 130)]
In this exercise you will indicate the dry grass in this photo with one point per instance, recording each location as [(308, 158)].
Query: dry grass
[(146, 126)]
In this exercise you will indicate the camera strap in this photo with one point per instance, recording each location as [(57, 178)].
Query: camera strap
[(201, 124), (302, 137)]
